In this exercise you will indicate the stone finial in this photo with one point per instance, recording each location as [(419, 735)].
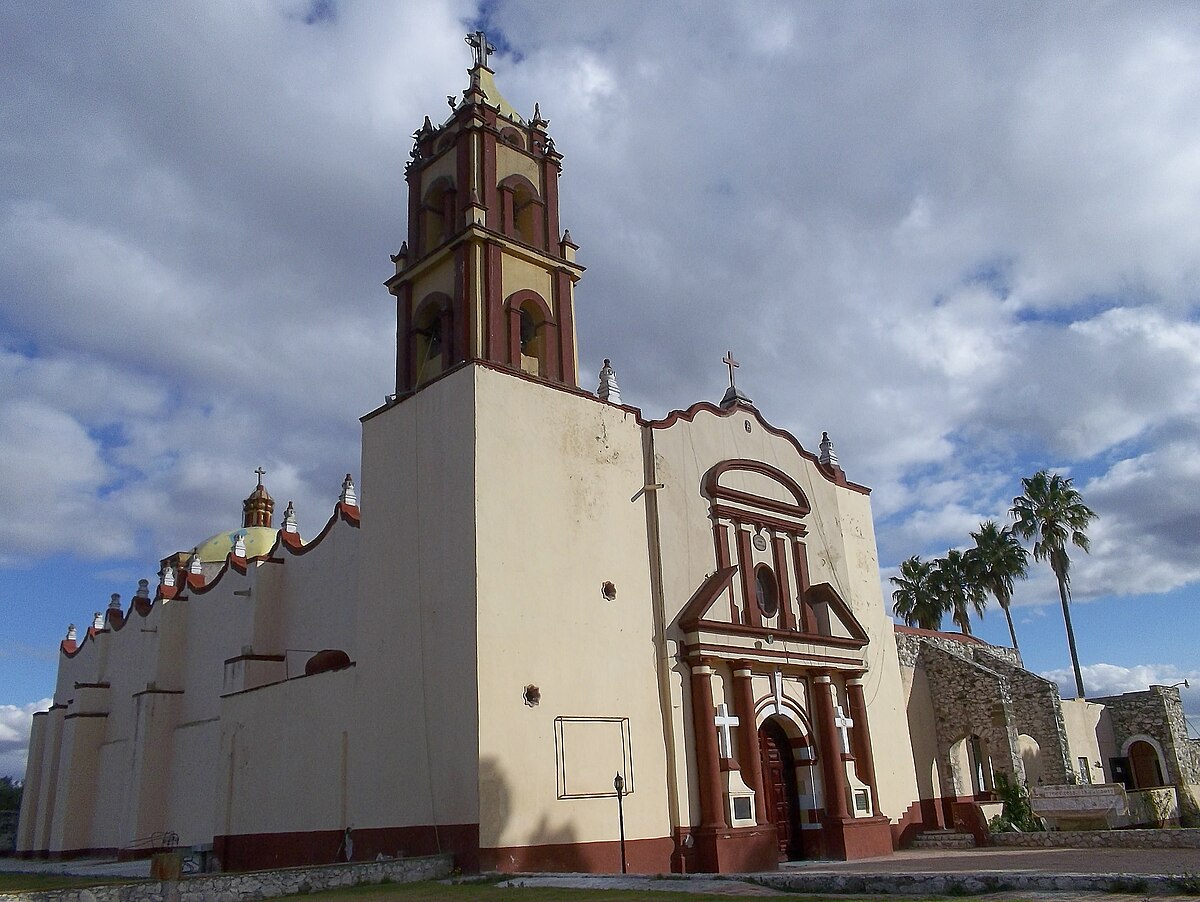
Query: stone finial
[(567, 247), (193, 564), (289, 519), (166, 577), (98, 621), (143, 589), (114, 602), (71, 635), (239, 545), (827, 456), (608, 389), (537, 121), (348, 497), (476, 212)]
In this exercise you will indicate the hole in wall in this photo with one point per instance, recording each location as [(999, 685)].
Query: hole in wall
[(532, 695), (609, 591)]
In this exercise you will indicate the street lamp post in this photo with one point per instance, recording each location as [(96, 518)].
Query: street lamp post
[(619, 786)]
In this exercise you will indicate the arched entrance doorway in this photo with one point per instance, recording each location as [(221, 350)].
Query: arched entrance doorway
[(1143, 761), (779, 787)]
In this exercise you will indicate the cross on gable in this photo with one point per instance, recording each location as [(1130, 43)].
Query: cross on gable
[(724, 720), (732, 364), (843, 724), (479, 43)]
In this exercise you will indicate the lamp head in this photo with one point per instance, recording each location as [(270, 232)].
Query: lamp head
[(619, 783)]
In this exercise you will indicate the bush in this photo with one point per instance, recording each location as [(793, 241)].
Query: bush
[(1017, 815)]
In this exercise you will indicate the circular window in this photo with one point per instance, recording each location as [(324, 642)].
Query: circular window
[(766, 590)]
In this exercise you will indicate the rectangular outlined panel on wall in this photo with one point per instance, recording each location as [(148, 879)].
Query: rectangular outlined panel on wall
[(591, 751)]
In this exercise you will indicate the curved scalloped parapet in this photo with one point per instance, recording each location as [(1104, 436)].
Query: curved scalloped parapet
[(833, 474)]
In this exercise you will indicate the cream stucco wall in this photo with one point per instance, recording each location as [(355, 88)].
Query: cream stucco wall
[(284, 756), (1082, 720), (414, 725), (555, 474)]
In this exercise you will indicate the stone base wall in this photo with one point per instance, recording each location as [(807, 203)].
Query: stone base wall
[(253, 885), (1100, 839)]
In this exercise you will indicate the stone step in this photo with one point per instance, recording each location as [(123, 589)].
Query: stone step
[(942, 839)]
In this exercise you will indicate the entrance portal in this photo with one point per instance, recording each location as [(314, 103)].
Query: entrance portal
[(779, 787)]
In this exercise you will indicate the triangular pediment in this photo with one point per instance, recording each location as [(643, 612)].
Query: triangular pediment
[(835, 621)]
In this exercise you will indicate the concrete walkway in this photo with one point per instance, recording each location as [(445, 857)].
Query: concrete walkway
[(138, 868), (1061, 875), (1034, 875)]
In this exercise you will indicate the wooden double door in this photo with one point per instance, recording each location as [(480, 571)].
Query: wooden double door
[(779, 788)]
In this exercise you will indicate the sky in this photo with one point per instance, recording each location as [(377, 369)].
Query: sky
[(961, 238)]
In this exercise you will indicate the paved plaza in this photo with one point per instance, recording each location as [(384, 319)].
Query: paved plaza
[(1035, 875)]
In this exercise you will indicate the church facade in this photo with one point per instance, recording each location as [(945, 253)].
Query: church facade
[(543, 595)]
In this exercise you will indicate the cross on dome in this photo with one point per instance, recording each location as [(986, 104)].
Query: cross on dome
[(724, 720), (483, 49), (261, 473)]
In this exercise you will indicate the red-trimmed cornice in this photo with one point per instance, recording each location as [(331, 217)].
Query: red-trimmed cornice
[(938, 634), (342, 512)]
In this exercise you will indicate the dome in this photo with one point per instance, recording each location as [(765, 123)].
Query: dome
[(259, 540)]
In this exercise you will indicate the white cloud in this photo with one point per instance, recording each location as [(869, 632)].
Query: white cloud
[(960, 238), (1112, 679), (15, 723)]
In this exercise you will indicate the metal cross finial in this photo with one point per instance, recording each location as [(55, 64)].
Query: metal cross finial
[(261, 473), (479, 43), (731, 363)]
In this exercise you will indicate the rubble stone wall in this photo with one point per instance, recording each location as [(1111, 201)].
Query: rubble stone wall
[(970, 698), (1038, 710), (253, 885)]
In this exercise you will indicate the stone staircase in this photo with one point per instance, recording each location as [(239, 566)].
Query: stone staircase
[(942, 839)]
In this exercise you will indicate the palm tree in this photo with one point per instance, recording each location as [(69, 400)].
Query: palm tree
[(996, 560), (917, 600), (959, 590), (1050, 512)]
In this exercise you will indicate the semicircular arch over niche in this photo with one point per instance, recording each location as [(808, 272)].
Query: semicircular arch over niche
[(1147, 763), (755, 484)]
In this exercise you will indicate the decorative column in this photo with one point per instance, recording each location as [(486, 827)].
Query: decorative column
[(712, 813), (751, 758), (864, 760), (831, 751)]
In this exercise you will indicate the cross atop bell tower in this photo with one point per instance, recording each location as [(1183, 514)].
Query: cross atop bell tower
[(479, 42), (486, 273)]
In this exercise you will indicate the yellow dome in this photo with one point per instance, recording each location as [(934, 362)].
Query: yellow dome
[(259, 540)]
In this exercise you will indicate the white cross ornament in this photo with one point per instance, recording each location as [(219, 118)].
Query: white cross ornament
[(843, 724), (724, 720)]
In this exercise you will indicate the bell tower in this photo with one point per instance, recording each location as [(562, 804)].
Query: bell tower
[(485, 273)]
